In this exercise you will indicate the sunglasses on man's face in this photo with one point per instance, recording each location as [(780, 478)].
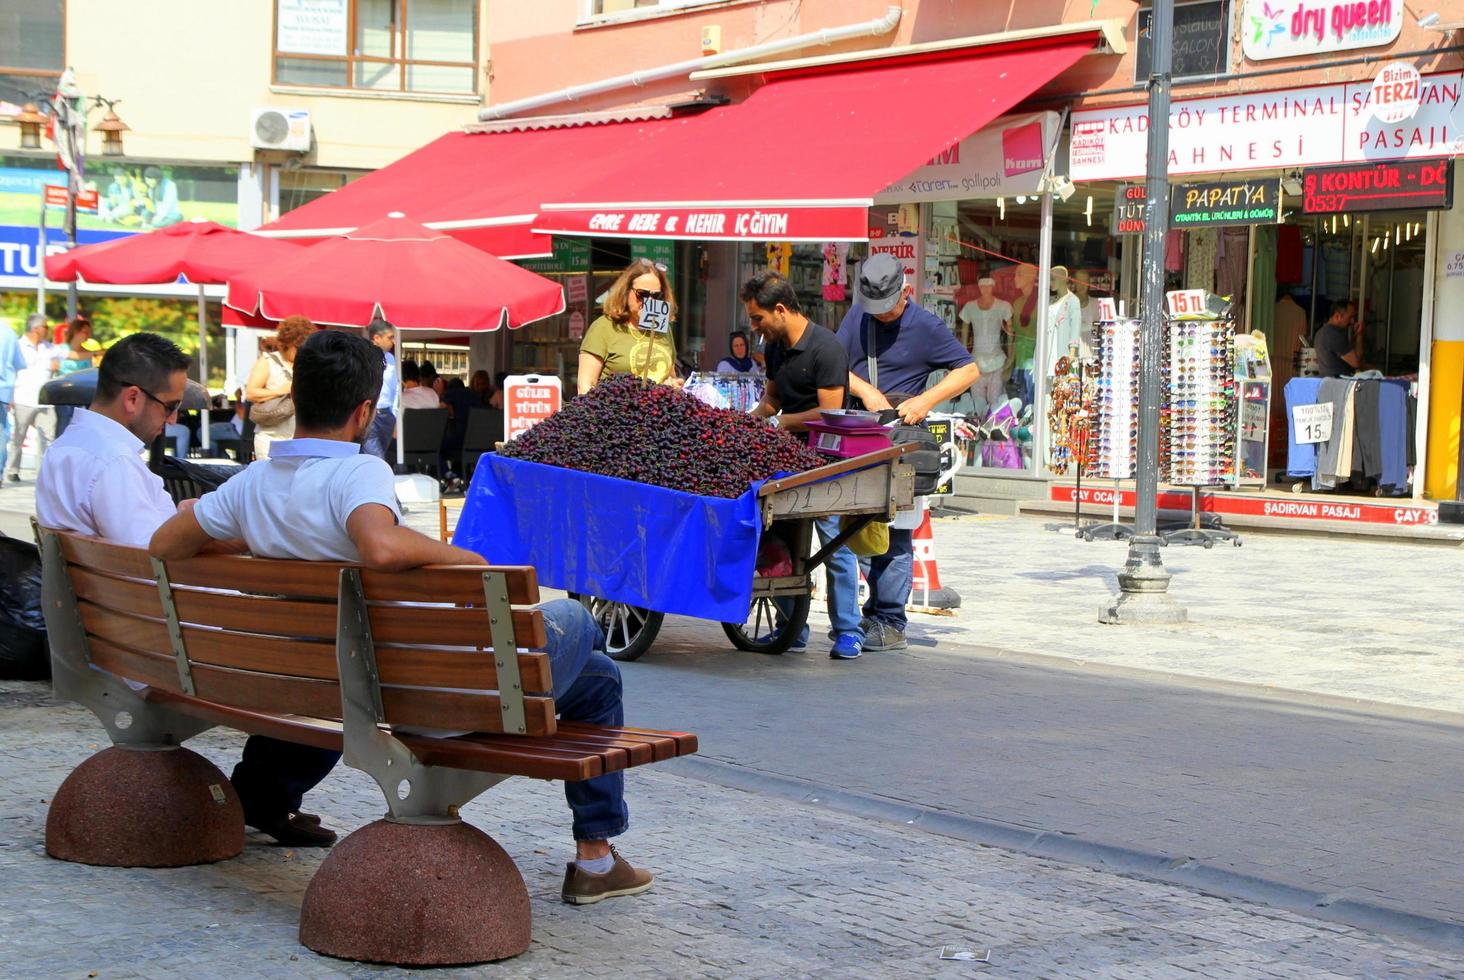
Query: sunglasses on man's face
[(169, 407), (646, 294)]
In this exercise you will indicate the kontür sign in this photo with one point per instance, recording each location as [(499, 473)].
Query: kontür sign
[(1296, 28)]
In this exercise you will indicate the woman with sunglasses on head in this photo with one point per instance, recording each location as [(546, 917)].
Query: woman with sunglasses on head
[(616, 342)]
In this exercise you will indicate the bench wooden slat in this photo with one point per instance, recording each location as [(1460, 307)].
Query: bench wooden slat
[(402, 666), (668, 745), (450, 626), (149, 668), (503, 756), (321, 580), (319, 732), (419, 707)]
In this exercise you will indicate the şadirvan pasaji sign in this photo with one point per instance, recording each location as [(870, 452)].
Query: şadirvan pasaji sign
[(1318, 126)]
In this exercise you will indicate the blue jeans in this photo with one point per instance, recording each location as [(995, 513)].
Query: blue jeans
[(890, 578), (587, 689), (842, 582), (4, 434), (379, 436)]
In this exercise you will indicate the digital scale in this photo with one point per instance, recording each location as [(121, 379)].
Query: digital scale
[(845, 441)]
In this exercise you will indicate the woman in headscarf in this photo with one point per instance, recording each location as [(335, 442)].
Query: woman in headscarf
[(739, 360)]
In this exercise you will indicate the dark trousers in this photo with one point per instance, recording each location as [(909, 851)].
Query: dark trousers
[(273, 776)]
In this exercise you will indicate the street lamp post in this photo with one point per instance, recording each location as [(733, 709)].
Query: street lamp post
[(1144, 581)]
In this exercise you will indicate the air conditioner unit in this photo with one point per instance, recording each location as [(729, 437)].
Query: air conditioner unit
[(280, 129)]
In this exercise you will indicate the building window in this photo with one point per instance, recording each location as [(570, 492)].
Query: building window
[(32, 48), (1201, 40), (378, 45), (614, 9), (300, 187)]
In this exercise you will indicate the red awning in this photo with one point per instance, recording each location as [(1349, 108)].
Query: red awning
[(800, 159), (803, 156), (480, 188)]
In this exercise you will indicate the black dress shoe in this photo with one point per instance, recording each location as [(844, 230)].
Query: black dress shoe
[(311, 819), (292, 831)]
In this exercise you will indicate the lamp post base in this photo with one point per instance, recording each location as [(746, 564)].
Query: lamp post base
[(1144, 588)]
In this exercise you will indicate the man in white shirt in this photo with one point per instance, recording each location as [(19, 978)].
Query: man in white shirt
[(319, 497), (40, 364), (94, 481), (383, 430), (414, 393)]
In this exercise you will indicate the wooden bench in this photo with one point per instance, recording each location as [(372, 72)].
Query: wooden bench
[(334, 656)]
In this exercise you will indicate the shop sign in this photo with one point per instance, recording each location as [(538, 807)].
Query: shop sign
[(86, 200), (1251, 505), (576, 325), (528, 399), (569, 255), (1295, 28), (1129, 202), (1318, 126), (662, 252), (1404, 186), (1229, 202), (577, 289), (1201, 43), (897, 238), (795, 224), (1186, 302), (311, 27), (1395, 92), (1004, 159)]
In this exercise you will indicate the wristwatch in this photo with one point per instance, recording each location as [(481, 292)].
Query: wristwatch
[(774, 421)]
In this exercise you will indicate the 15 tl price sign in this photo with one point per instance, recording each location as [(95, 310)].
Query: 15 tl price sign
[(529, 399)]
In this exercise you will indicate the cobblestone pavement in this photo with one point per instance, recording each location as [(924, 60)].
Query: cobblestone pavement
[(747, 887)]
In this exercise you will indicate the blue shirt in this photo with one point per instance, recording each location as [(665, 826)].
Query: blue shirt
[(391, 390), (906, 351), (11, 360)]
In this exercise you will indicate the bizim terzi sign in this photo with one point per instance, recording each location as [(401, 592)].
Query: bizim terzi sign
[(1228, 202)]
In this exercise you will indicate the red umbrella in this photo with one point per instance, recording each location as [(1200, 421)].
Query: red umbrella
[(411, 276), (200, 251)]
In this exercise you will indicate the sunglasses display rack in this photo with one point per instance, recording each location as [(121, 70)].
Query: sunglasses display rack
[(1197, 420), (1113, 452)]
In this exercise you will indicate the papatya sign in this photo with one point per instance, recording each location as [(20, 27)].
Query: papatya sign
[(1409, 185), (1231, 202), (1303, 127), (1292, 28), (711, 223)]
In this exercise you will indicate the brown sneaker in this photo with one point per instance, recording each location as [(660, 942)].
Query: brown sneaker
[(583, 888)]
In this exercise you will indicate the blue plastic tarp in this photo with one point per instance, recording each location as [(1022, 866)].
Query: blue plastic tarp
[(647, 546)]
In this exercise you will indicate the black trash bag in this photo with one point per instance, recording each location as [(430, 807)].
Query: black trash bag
[(24, 655)]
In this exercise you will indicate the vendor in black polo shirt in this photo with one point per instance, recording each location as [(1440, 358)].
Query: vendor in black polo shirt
[(808, 372)]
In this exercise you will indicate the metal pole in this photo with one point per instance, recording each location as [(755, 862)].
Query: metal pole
[(73, 187), (41, 263), (1144, 582), (203, 439)]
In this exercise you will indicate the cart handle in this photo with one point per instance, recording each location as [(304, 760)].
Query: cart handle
[(837, 469)]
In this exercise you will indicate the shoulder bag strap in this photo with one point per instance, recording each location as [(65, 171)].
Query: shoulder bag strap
[(869, 354)]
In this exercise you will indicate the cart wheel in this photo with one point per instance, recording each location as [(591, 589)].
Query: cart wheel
[(629, 630), (762, 623)]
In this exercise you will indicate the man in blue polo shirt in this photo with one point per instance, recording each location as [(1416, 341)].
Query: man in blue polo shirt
[(893, 346)]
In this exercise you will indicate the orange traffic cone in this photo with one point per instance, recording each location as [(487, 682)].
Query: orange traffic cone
[(926, 593)]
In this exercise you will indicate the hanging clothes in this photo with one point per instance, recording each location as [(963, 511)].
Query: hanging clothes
[(1336, 392), (1232, 253), (1301, 457), (1393, 433), (1263, 281), (1200, 259), (1174, 251), (1367, 452), (1342, 465)]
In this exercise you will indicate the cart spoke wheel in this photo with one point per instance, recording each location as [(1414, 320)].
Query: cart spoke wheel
[(761, 631), (629, 630)]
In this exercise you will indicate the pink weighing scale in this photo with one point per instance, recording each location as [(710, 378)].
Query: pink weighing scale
[(845, 434)]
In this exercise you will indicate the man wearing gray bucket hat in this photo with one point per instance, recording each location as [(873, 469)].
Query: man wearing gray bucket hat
[(893, 346)]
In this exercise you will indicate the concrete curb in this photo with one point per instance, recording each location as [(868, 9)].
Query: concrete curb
[(1184, 872)]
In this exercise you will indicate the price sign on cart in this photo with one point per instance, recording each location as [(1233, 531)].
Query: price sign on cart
[(1185, 302), (1312, 423)]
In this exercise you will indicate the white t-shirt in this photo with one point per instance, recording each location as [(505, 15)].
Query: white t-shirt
[(420, 397), (986, 325), (295, 504), (93, 481), (37, 371)]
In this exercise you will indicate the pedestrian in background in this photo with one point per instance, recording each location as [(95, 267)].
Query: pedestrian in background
[(11, 362), (268, 387), (383, 427), (72, 356), (414, 393), (40, 364)]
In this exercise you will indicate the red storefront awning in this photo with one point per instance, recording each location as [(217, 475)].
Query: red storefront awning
[(800, 159), (803, 156)]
